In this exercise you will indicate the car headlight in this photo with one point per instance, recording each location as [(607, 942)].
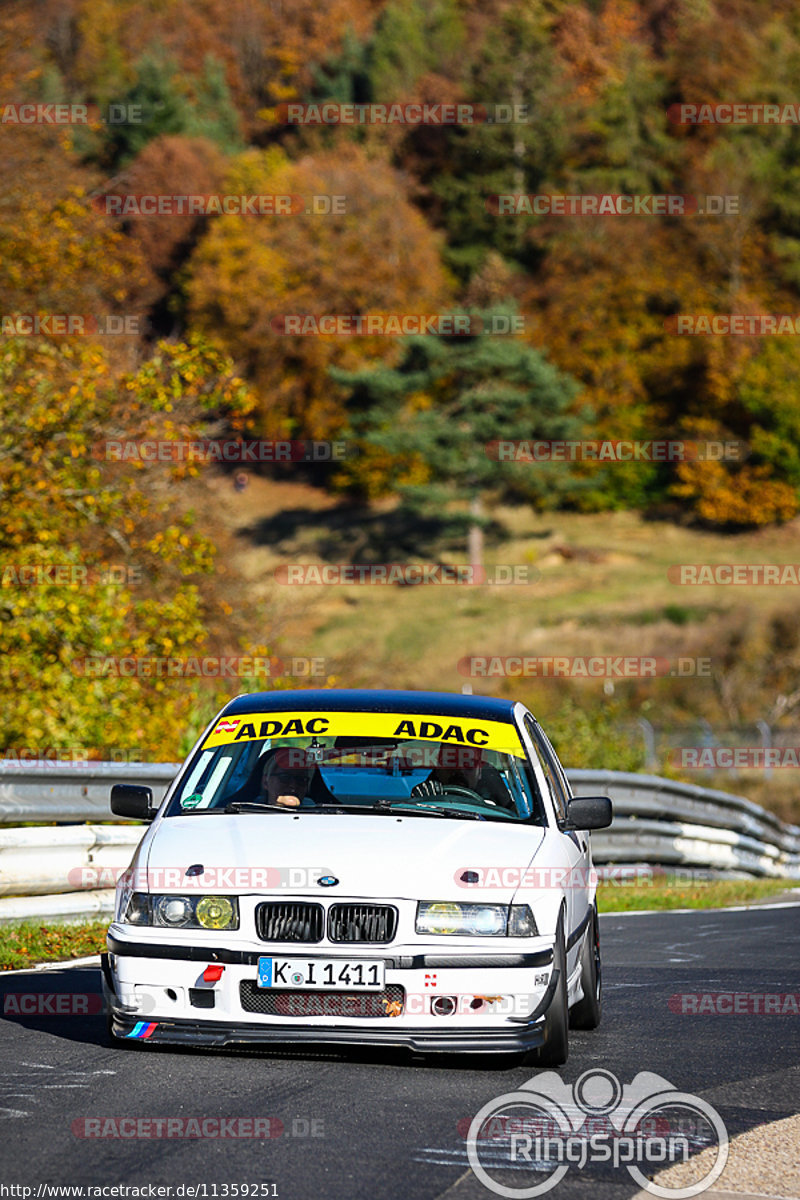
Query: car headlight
[(138, 910), (182, 912), (216, 912), (521, 921), (475, 920), (175, 911)]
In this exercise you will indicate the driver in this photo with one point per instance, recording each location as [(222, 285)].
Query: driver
[(465, 767), (284, 784)]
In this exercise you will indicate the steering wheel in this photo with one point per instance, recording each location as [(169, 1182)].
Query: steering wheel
[(458, 790)]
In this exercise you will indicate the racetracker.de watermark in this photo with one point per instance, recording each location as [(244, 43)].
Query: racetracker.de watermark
[(735, 574), (28, 113), (444, 1002), (397, 324), (593, 666), (23, 575), (407, 574), (213, 1128), (734, 758), (28, 758), (426, 754), (526, 450), (579, 878), (734, 113), (736, 1004), (537, 878), (611, 204), (210, 204), (733, 324), (231, 450), (52, 1004), (212, 879), (210, 666), (71, 325), (453, 113)]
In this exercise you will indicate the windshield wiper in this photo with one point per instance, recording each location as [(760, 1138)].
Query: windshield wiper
[(381, 807), (386, 806), (255, 806)]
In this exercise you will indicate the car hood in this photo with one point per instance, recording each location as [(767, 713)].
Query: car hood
[(370, 856)]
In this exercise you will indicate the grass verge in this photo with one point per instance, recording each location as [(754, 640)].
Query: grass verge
[(26, 943), (666, 892)]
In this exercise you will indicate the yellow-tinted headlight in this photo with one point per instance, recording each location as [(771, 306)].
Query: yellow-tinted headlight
[(439, 918), (216, 912)]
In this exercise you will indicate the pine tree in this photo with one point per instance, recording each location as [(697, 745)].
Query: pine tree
[(440, 413)]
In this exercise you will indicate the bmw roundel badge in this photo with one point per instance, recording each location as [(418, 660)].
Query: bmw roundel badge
[(328, 881)]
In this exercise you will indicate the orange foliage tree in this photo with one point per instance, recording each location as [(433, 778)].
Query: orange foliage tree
[(249, 272)]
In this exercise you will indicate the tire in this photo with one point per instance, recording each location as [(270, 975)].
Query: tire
[(587, 1012), (555, 1051)]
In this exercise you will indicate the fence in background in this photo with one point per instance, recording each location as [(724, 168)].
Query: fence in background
[(67, 871)]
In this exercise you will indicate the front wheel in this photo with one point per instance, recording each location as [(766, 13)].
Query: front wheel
[(587, 1012), (555, 1050)]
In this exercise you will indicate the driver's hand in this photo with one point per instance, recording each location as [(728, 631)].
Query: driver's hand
[(288, 801), (428, 787)]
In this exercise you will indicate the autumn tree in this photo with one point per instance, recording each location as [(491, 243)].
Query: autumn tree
[(193, 166), (249, 272), (58, 253), (512, 74), (134, 572)]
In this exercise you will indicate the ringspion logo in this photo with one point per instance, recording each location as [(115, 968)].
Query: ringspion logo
[(537, 1133)]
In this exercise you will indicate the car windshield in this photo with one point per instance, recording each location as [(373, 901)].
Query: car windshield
[(412, 765)]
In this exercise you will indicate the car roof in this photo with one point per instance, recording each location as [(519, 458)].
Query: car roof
[(446, 704)]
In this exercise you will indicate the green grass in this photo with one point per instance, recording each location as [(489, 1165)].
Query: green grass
[(416, 636), (26, 943), (668, 892), (613, 596)]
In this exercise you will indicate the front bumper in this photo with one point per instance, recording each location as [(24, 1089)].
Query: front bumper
[(425, 1041), (153, 991)]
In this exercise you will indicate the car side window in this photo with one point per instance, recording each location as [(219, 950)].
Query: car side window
[(557, 785), (556, 761)]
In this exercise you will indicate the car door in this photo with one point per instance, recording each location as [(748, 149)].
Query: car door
[(573, 844)]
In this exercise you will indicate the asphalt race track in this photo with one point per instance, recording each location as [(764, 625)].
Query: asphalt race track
[(383, 1126)]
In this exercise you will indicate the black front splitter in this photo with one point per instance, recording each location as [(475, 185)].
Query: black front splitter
[(424, 1041)]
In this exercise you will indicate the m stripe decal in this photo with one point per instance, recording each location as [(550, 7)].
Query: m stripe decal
[(142, 1029)]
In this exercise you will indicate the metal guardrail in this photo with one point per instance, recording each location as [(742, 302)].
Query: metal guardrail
[(664, 821), (67, 871), (72, 791)]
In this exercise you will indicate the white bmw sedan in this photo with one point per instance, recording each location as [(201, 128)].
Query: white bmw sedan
[(365, 868)]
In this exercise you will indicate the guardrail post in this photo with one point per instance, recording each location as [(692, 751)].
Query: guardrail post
[(649, 734), (766, 741)]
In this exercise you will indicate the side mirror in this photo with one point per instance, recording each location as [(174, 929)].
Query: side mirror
[(132, 801), (589, 812)]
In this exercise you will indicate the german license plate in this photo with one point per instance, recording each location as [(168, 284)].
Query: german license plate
[(322, 974)]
